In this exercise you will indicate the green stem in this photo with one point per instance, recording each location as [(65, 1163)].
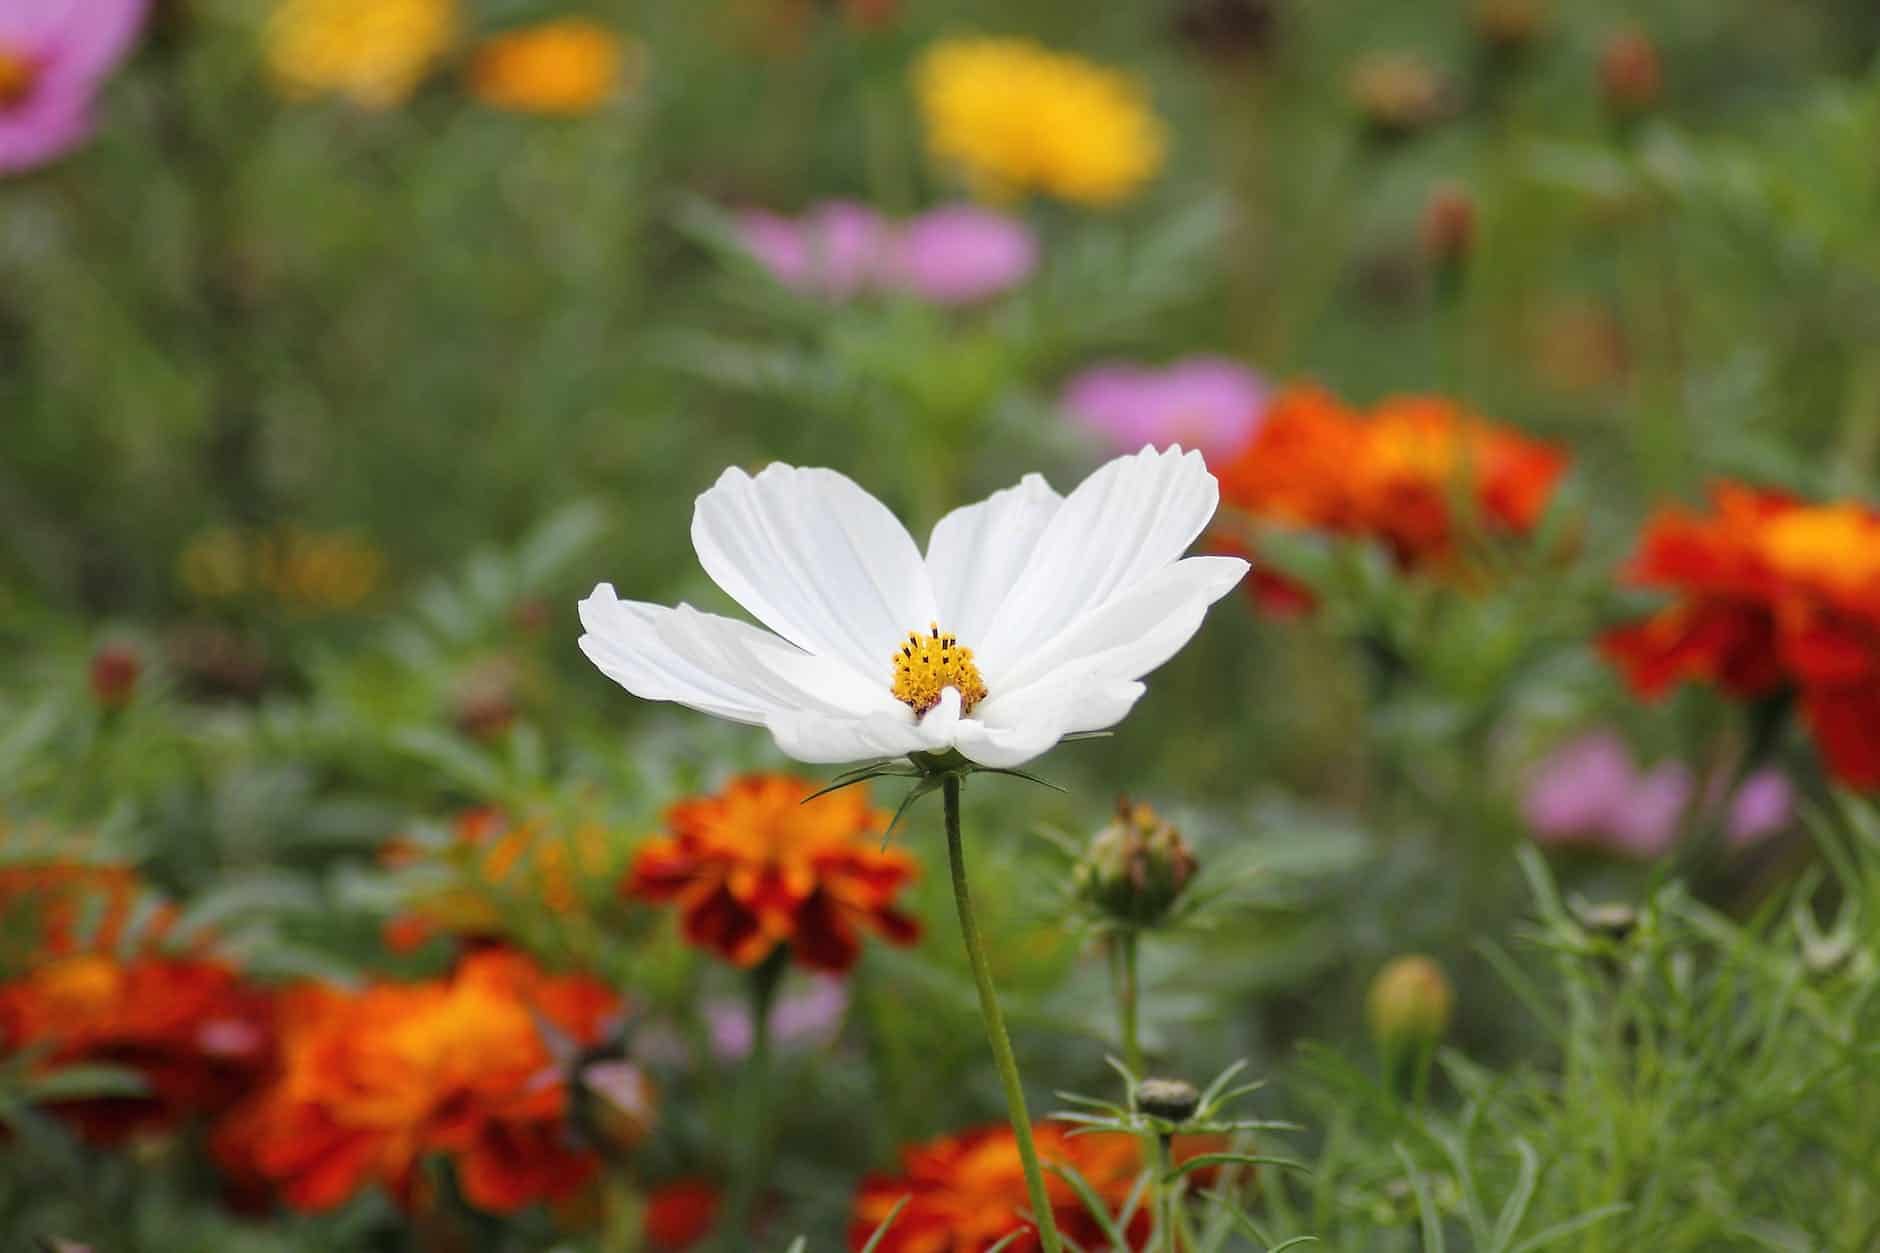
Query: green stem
[(1164, 1195), (995, 1026), (1123, 972), (753, 1114)]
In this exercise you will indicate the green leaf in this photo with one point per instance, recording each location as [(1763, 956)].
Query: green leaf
[(1205, 1160), (881, 1232)]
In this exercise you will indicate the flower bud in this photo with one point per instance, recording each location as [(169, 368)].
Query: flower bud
[(1410, 1003), (1136, 867), (1612, 920), (1399, 94), (615, 1103), (1226, 31), (1508, 28), (114, 672), (1631, 74), (1449, 225), (1171, 1100)]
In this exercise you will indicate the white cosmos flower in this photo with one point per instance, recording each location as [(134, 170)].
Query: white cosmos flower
[(1032, 616)]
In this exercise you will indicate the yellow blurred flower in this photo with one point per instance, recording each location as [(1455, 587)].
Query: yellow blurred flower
[(566, 67), (214, 565), (374, 51), (1016, 117), (300, 569)]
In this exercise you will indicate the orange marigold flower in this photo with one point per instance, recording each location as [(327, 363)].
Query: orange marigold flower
[(190, 1028), (566, 67), (371, 1081), (490, 861), (753, 868), (57, 908), (1393, 475), (966, 1192), (680, 1214), (1772, 596)]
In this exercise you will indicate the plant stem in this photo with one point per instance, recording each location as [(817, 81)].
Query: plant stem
[(995, 1026), (1123, 971), (753, 1114), (1164, 1194)]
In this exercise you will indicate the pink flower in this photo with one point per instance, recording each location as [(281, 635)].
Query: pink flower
[(1208, 403), (809, 1015), (1590, 793), (836, 249), (1763, 806), (956, 255), (53, 56), (961, 255)]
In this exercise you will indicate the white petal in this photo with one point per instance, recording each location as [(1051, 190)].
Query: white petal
[(1125, 638), (816, 559), (1129, 519), (824, 740), (976, 553), (1032, 726), (716, 665)]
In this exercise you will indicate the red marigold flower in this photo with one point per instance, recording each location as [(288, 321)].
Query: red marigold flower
[(371, 1081), (680, 1214), (1392, 475), (753, 868), (190, 1028), (966, 1192), (1772, 596)]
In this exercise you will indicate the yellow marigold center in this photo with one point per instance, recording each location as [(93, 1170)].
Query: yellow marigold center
[(927, 665), (16, 78)]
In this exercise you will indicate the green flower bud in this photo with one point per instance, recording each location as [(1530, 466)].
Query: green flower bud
[(1135, 868), (1410, 1004)]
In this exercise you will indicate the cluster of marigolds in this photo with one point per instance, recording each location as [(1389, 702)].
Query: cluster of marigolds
[(518, 1077)]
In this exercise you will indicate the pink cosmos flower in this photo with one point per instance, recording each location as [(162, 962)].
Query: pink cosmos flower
[(1208, 403), (834, 250), (54, 54), (955, 255), (1590, 793), (962, 254)]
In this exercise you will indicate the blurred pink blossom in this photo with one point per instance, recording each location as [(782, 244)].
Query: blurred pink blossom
[(54, 54), (962, 254), (1590, 793), (1209, 403), (954, 255), (809, 1015)]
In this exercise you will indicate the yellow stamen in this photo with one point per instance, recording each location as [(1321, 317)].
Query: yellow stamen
[(926, 665), (16, 78)]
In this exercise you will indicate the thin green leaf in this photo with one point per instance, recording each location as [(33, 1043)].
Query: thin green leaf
[(1205, 1160), (881, 1232), (1091, 1201)]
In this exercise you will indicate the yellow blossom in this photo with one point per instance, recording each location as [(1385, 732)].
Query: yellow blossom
[(1017, 118), (374, 51), (565, 67)]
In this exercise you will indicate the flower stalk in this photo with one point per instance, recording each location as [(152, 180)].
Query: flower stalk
[(1125, 964), (754, 1111), (995, 1024)]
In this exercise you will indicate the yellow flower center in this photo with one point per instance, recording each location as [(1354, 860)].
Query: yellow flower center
[(927, 665), (16, 78), (1838, 544)]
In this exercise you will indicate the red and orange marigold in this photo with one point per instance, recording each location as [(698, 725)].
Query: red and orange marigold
[(370, 1082), (1771, 597), (753, 868), (1394, 475), (189, 1028), (966, 1192)]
